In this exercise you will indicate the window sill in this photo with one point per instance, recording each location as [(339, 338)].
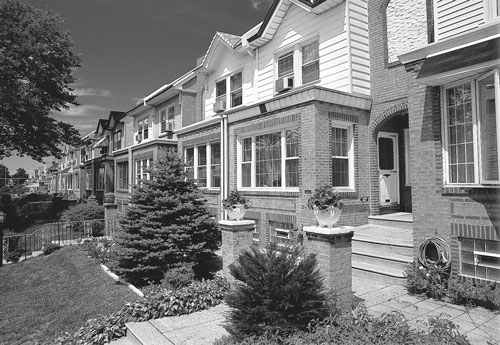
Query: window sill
[(270, 192), (465, 189), (296, 88)]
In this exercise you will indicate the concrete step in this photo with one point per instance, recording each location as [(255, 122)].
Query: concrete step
[(400, 220), (388, 260), (378, 273), (144, 333), (381, 248), (128, 340)]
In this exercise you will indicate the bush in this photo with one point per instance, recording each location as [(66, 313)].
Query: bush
[(360, 328), (178, 276), (466, 291), (99, 249), (50, 248), (15, 255), (88, 210), (276, 291), (195, 297)]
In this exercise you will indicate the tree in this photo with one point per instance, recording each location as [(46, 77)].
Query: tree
[(20, 176), (166, 224), (36, 63), (276, 290), (4, 175)]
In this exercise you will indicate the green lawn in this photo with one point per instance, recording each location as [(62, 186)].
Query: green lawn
[(41, 297)]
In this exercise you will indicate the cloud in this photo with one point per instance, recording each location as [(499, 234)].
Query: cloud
[(260, 4), (87, 91), (83, 110)]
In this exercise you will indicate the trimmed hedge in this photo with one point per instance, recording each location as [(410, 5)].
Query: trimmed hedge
[(195, 297)]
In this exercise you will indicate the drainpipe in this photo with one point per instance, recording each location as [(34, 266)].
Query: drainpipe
[(224, 188)]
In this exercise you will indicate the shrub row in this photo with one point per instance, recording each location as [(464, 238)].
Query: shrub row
[(436, 283), (195, 297), (360, 328)]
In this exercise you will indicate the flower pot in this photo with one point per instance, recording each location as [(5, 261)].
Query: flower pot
[(327, 218), (237, 212), (109, 198)]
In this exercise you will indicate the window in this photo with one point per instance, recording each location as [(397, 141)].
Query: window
[(122, 175), (220, 92), (301, 64), (215, 165), (479, 258), (280, 232), (203, 164), (117, 140), (310, 62), (236, 90), (100, 179), (167, 119), (77, 181), (491, 9), (471, 126), (89, 179), (142, 130), (70, 181), (269, 159), (142, 169)]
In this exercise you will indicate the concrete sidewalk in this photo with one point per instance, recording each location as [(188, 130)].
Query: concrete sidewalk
[(478, 324)]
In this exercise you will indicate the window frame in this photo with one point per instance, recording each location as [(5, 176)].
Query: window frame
[(253, 166), (195, 166), (142, 167), (167, 115), (297, 73), (233, 92), (350, 155), (491, 10), (142, 129), (100, 178), (117, 144), (476, 130), (122, 175)]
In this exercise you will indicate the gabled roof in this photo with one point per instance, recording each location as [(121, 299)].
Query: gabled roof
[(227, 41), (264, 32), (114, 118), (103, 124)]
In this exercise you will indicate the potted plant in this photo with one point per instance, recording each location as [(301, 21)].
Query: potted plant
[(109, 198), (327, 206), (235, 205)]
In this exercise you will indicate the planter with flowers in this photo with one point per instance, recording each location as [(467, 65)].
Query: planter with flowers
[(327, 206), (109, 198), (235, 205)]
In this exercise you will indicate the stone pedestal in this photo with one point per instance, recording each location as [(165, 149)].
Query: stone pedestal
[(237, 235), (332, 247), (110, 215)]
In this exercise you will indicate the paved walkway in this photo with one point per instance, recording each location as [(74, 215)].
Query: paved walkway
[(480, 325)]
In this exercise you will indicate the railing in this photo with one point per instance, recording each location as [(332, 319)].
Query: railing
[(62, 234)]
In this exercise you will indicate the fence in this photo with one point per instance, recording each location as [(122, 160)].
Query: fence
[(62, 233)]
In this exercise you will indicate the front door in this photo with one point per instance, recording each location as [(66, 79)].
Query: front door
[(388, 168)]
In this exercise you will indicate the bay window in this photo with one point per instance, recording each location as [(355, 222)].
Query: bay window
[(471, 128), (270, 160), (203, 164), (142, 168)]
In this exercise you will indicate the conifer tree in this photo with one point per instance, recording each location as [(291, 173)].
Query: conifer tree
[(276, 290), (166, 223)]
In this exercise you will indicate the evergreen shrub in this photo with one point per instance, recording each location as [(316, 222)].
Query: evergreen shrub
[(166, 223), (277, 291)]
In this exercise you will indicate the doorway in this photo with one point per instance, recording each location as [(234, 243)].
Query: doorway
[(388, 168)]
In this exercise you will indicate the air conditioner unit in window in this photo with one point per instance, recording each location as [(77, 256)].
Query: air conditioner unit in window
[(219, 106), (284, 84), (138, 138), (169, 127)]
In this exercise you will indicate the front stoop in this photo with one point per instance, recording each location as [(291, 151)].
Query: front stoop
[(383, 249)]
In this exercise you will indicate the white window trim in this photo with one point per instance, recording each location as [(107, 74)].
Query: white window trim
[(228, 93), (475, 128), (140, 172), (406, 140), (208, 166), (490, 10), (239, 154), (350, 154), (140, 119), (297, 61)]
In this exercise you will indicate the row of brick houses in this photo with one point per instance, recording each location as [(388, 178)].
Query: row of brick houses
[(393, 102)]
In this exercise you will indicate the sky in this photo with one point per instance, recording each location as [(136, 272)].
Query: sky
[(129, 48)]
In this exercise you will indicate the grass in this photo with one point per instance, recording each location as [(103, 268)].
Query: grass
[(45, 296)]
